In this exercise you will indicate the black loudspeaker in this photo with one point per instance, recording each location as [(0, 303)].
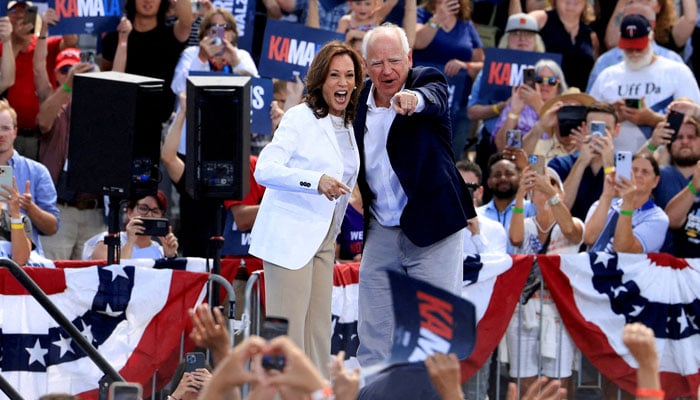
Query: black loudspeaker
[(115, 132), (218, 137)]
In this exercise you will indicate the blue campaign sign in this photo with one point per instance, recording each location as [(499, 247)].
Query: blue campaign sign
[(456, 86), (429, 320), (244, 13), (86, 16), (288, 49), (260, 99), (503, 69)]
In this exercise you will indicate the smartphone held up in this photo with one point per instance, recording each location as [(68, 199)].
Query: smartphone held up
[(125, 391), (675, 120)]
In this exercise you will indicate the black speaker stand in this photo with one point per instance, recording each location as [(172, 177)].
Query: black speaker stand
[(216, 242), (112, 239)]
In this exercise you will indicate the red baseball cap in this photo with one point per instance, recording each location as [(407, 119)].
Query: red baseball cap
[(68, 56)]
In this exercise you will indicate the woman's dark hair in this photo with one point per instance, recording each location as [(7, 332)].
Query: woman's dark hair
[(130, 10), (204, 26), (160, 197), (651, 159), (318, 73)]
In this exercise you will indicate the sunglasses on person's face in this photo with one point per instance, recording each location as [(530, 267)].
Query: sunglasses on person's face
[(471, 186), (226, 27), (547, 80)]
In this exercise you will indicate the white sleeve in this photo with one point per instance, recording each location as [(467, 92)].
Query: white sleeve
[(246, 64)]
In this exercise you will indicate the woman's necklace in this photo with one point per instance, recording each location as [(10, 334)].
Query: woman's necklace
[(539, 228), (338, 122)]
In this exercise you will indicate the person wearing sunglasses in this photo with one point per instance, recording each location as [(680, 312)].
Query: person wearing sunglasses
[(522, 112), (134, 244)]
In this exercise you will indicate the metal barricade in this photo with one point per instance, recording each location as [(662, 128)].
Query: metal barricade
[(586, 382), (253, 310)]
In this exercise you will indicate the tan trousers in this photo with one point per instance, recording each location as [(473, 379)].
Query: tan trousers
[(304, 296)]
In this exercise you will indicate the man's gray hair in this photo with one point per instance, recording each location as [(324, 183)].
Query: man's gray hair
[(386, 28)]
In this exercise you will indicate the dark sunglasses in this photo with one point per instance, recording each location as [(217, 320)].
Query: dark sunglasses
[(225, 26), (549, 80), (64, 69), (471, 187)]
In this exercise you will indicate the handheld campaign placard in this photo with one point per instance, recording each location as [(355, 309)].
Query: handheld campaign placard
[(429, 320), (86, 16), (288, 49), (503, 69)]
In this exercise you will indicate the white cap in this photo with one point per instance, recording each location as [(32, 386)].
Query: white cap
[(521, 22), (14, 3)]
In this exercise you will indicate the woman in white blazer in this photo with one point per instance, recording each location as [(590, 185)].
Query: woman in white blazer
[(308, 170)]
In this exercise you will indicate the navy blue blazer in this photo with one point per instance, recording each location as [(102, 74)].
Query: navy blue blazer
[(420, 152)]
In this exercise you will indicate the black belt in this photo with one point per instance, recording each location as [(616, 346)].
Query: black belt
[(86, 204)]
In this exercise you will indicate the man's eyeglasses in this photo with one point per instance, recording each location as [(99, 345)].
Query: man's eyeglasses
[(143, 209), (547, 80)]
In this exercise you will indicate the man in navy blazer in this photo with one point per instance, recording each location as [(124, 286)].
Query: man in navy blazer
[(416, 204)]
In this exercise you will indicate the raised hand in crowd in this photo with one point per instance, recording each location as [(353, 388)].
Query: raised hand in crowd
[(540, 390), (689, 108), (299, 372), (546, 123), (20, 242), (5, 29), (209, 48), (169, 243), (120, 55), (444, 373), (517, 156), (209, 330), (43, 220), (191, 384), (660, 136), (231, 372), (276, 114), (295, 91), (299, 378), (641, 342), (124, 28), (346, 384)]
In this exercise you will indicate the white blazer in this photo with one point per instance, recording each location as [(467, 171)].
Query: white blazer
[(294, 217)]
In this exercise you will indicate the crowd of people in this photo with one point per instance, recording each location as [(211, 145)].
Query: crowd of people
[(372, 161)]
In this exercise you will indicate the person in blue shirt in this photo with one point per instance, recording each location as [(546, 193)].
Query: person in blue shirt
[(504, 181), (38, 198)]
